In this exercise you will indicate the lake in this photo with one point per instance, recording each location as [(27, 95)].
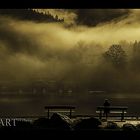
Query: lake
[(86, 103)]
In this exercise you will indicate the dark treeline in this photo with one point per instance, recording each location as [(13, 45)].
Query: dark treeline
[(30, 14)]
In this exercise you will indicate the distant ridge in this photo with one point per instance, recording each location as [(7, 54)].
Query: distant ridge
[(31, 15)]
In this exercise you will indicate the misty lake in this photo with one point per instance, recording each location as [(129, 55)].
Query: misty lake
[(86, 103)]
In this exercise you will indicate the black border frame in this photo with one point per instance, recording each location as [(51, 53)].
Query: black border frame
[(76, 4)]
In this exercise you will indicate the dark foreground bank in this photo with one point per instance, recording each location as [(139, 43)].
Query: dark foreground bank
[(62, 126)]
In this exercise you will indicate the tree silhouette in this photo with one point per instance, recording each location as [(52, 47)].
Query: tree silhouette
[(116, 55), (136, 48), (30, 14), (136, 55)]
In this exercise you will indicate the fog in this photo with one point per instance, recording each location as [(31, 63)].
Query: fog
[(55, 51)]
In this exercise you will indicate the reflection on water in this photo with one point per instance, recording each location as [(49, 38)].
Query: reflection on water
[(17, 105)]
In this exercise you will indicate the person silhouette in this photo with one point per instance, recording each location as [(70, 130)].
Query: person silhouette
[(106, 109)]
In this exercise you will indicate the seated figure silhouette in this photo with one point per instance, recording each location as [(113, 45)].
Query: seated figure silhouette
[(106, 110)]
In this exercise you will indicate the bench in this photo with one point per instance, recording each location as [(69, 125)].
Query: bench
[(112, 110), (60, 108)]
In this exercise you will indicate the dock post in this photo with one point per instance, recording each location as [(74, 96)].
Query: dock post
[(70, 113), (122, 117), (100, 115), (48, 113)]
